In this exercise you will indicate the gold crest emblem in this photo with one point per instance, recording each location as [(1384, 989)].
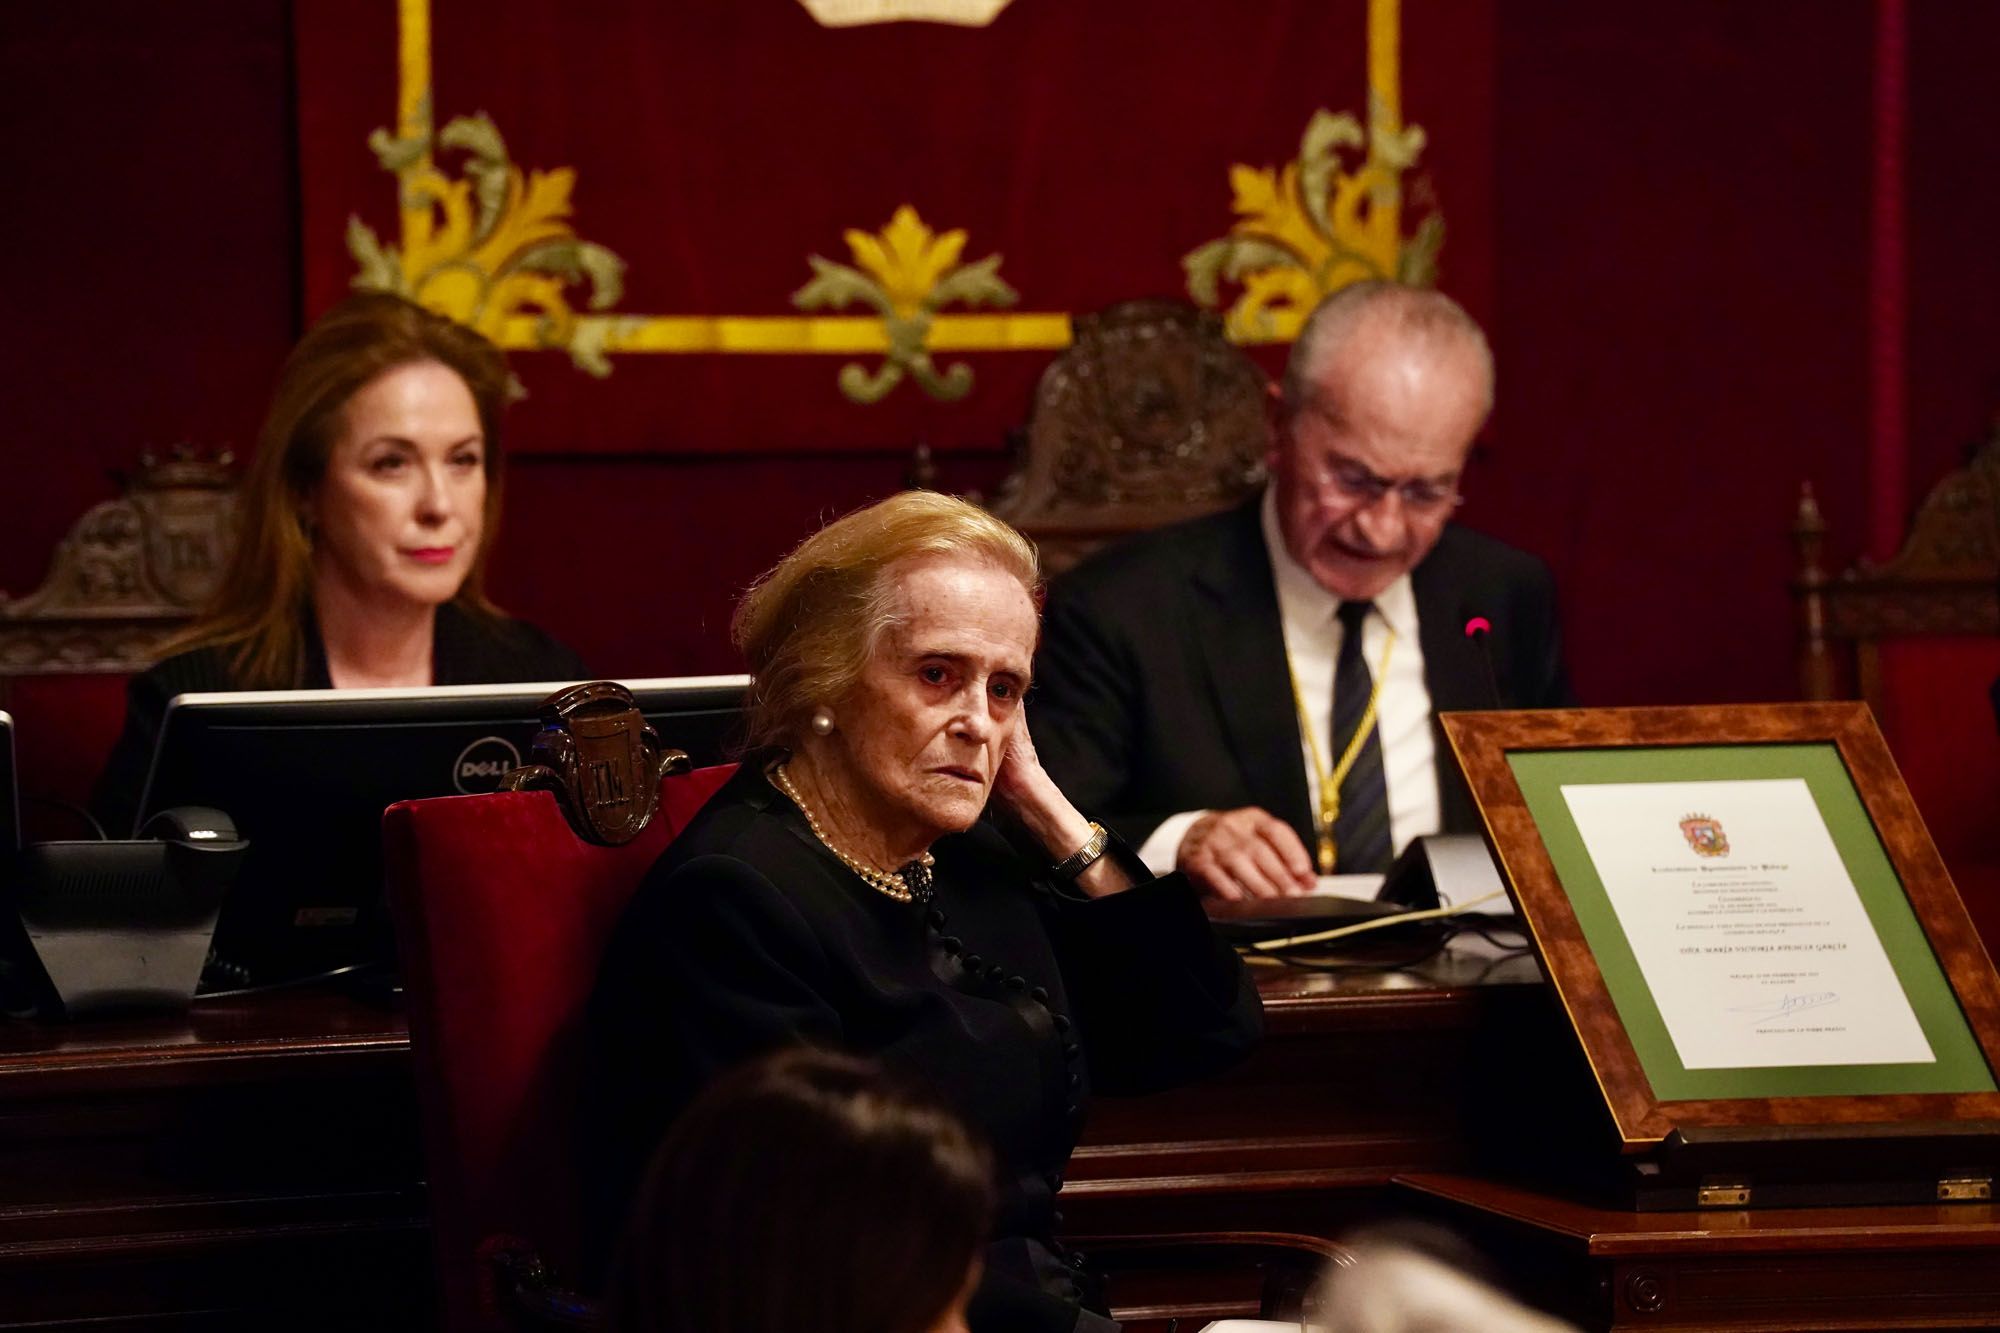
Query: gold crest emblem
[(1704, 834)]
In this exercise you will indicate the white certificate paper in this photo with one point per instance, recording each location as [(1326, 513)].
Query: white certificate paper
[(1746, 924)]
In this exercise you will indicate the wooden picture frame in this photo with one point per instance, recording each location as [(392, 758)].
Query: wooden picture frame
[(1487, 745)]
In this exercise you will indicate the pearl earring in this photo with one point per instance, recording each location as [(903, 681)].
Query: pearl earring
[(822, 721)]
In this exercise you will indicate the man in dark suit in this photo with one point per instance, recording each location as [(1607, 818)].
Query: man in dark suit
[(1252, 697)]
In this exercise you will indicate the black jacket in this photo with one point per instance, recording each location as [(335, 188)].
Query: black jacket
[(1161, 682), (465, 650), (1010, 1001)]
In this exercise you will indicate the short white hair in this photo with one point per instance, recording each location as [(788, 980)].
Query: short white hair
[(1394, 308)]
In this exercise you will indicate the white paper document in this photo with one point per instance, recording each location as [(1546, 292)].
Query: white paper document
[(1362, 888), (1746, 924)]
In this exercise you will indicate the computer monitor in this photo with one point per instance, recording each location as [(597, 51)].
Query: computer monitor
[(306, 774)]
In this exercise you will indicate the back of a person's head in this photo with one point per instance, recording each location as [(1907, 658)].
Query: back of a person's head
[(804, 1191)]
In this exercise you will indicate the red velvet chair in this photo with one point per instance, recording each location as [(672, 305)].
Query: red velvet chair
[(501, 914)]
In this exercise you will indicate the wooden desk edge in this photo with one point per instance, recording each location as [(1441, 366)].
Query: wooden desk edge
[(1720, 1232), (57, 1072), (1402, 1009)]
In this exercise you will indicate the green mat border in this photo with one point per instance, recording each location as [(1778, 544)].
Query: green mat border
[(1959, 1067)]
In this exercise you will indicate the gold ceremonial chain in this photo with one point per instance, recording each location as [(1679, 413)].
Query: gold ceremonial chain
[(1329, 783), (884, 881)]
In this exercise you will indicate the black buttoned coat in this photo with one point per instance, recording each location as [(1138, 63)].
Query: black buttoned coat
[(1012, 1001)]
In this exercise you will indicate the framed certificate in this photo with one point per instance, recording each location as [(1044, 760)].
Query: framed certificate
[(1742, 914)]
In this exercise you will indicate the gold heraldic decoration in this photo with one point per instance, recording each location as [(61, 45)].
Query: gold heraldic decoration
[(1316, 226), (907, 273), (491, 246)]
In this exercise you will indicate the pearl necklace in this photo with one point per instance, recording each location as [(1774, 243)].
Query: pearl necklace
[(910, 884)]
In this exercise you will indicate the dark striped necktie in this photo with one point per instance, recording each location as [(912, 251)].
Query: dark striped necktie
[(1361, 833)]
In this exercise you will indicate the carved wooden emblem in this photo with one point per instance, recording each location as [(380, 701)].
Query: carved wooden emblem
[(604, 763), (131, 571), (1149, 417)]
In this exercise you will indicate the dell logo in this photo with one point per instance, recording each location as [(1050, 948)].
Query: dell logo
[(482, 764)]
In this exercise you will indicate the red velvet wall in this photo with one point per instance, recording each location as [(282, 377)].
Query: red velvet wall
[(1683, 337), (152, 256), (692, 534), (1954, 176), (146, 165), (1675, 277), (1682, 328)]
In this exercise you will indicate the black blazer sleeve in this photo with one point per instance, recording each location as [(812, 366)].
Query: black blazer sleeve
[(1005, 1302), (476, 650), (716, 929), (115, 797), (1160, 1000), (722, 931), (547, 657), (1087, 712), (712, 965)]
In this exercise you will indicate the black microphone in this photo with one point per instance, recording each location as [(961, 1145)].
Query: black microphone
[(1480, 630)]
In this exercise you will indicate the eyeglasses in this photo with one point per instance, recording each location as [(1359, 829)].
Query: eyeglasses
[(1359, 486)]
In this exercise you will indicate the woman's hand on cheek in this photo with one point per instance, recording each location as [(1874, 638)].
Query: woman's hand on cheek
[(1020, 780), (1024, 789)]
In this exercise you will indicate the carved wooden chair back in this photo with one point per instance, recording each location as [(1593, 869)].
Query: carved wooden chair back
[(131, 571), (1148, 417), (1944, 583), (1918, 638)]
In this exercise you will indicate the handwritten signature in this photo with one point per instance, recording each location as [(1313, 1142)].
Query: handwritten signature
[(1786, 1005)]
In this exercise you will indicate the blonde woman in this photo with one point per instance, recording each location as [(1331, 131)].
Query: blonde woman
[(843, 891)]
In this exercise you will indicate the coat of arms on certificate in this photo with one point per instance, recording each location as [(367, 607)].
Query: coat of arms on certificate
[(1705, 835)]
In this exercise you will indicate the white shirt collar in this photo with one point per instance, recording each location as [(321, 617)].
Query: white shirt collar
[(1300, 595)]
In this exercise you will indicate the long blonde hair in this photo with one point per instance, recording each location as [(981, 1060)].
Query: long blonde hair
[(259, 609)]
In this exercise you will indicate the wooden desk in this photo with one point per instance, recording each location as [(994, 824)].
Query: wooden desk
[(1929, 1267), (256, 1164), (251, 1165), (1361, 1076)]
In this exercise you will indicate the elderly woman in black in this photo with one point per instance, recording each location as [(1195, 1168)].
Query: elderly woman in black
[(843, 891)]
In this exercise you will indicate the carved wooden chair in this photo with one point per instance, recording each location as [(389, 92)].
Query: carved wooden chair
[(1918, 638), (130, 572), (1150, 416)]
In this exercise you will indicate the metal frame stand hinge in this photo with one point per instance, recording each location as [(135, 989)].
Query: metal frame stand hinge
[(1965, 1189)]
